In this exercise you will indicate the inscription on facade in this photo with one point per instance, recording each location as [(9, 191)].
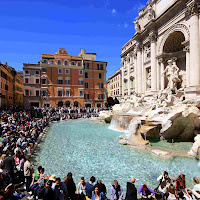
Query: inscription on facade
[(163, 5)]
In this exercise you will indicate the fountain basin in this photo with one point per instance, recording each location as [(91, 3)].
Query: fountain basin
[(86, 148)]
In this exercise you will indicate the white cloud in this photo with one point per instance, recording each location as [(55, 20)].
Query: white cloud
[(114, 11), (125, 25)]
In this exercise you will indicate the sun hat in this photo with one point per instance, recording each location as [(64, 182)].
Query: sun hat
[(52, 177)]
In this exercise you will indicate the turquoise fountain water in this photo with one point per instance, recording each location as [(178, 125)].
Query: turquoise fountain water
[(86, 148)]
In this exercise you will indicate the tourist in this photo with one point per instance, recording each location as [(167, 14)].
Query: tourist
[(131, 191), (180, 183), (71, 186), (41, 182), (171, 193), (16, 158), (158, 196), (81, 187), (96, 195), (165, 182), (180, 195), (35, 176), (20, 169), (116, 192), (17, 150), (90, 187), (146, 192), (3, 156), (2, 184), (52, 178), (48, 193), (195, 192), (28, 171), (9, 166), (101, 186), (196, 184), (8, 193), (60, 190)]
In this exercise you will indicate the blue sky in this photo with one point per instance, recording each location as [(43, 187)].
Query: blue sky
[(32, 27)]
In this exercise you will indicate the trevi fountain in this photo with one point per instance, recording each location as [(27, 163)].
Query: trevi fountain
[(165, 116)]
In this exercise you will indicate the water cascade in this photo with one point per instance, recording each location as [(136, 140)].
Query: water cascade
[(166, 116)]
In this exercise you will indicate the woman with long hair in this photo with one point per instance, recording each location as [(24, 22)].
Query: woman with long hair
[(97, 195), (71, 186), (171, 193), (180, 183), (146, 192)]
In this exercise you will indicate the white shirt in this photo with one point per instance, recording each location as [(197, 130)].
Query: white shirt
[(171, 197)]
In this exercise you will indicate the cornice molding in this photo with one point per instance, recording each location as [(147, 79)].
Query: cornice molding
[(193, 8)]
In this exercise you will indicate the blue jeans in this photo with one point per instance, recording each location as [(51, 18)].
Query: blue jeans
[(35, 191), (161, 193), (33, 187)]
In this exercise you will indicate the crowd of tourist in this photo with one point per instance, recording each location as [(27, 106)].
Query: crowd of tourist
[(52, 188), (19, 133), (65, 113), (76, 112)]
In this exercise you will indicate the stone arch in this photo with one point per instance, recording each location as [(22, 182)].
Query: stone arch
[(76, 104), (67, 103), (88, 105), (174, 42), (181, 27), (60, 104)]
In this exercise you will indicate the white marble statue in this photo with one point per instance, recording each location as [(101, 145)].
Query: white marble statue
[(182, 75), (150, 13), (149, 79), (172, 74), (139, 101), (137, 25)]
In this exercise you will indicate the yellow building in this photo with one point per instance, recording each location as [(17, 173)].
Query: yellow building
[(18, 90), (114, 85)]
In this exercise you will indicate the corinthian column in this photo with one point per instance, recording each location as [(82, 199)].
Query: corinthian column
[(128, 69), (153, 63), (122, 78), (187, 50), (193, 12), (135, 71), (162, 79), (139, 67)]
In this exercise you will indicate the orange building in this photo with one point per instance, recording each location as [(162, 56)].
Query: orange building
[(7, 85), (72, 80), (18, 90), (94, 83)]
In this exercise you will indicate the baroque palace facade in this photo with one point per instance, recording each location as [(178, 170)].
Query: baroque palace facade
[(164, 53), (61, 79)]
